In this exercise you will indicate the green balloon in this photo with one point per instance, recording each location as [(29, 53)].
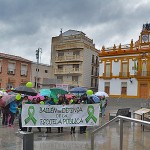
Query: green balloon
[(55, 100), (18, 97), (42, 103), (89, 92), (29, 85), (71, 101)]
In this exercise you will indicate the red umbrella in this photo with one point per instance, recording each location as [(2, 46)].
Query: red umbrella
[(6, 99), (37, 96), (69, 95)]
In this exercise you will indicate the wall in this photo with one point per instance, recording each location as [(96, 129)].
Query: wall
[(115, 86)]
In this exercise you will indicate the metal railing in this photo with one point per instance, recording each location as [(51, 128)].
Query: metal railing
[(120, 119)]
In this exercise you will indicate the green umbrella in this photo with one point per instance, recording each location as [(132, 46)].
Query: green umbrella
[(57, 91)]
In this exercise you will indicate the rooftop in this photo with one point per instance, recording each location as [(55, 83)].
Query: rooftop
[(13, 57), (72, 32)]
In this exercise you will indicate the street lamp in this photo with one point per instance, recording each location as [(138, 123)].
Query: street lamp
[(38, 51)]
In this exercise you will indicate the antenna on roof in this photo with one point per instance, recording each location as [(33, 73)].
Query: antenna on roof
[(61, 37), (61, 31)]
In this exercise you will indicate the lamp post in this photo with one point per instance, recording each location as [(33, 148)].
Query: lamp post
[(38, 51)]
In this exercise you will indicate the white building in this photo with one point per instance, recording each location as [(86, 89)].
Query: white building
[(125, 69), (43, 73)]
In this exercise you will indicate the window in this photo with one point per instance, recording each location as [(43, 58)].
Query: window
[(107, 69), (92, 72), (23, 70), (46, 71), (97, 60), (124, 69), (96, 83), (124, 88), (37, 69), (60, 54), (76, 67), (96, 72), (60, 78), (92, 58), (76, 53), (75, 79), (9, 85), (60, 67), (107, 87), (144, 68), (11, 68), (92, 82)]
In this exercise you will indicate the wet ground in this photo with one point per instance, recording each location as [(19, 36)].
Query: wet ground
[(107, 139)]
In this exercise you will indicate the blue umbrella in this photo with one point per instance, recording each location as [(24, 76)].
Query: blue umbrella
[(45, 92), (78, 90), (95, 98)]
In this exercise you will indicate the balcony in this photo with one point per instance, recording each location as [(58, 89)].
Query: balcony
[(142, 74), (107, 75), (11, 71), (75, 45), (69, 58), (124, 74), (73, 83), (68, 71)]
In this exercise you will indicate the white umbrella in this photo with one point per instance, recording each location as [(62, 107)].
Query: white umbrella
[(100, 93), (3, 93)]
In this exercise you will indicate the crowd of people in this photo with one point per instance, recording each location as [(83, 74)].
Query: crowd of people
[(14, 109)]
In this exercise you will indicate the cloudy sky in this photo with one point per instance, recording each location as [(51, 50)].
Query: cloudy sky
[(26, 25)]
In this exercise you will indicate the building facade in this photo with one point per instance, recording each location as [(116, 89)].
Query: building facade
[(125, 69), (75, 59), (14, 71), (43, 73)]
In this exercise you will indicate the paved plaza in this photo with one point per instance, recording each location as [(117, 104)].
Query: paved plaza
[(107, 139)]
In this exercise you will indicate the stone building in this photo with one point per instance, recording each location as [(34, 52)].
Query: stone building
[(75, 59)]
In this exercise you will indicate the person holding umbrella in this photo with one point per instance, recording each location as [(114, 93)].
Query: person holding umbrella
[(61, 101), (84, 100), (103, 104), (49, 101), (12, 111)]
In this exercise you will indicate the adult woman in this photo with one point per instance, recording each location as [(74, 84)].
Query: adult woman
[(74, 100), (60, 102), (103, 104), (12, 111), (49, 101)]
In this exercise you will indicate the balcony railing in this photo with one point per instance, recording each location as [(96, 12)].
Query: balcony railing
[(73, 83), (69, 58), (124, 74), (107, 75), (142, 74), (67, 71)]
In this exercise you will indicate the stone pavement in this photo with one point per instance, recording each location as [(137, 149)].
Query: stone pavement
[(107, 139)]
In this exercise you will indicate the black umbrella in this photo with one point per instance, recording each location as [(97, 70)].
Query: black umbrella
[(25, 90)]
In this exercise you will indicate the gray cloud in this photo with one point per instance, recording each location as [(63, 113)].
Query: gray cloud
[(27, 25)]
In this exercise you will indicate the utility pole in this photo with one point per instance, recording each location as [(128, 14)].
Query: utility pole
[(38, 51)]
